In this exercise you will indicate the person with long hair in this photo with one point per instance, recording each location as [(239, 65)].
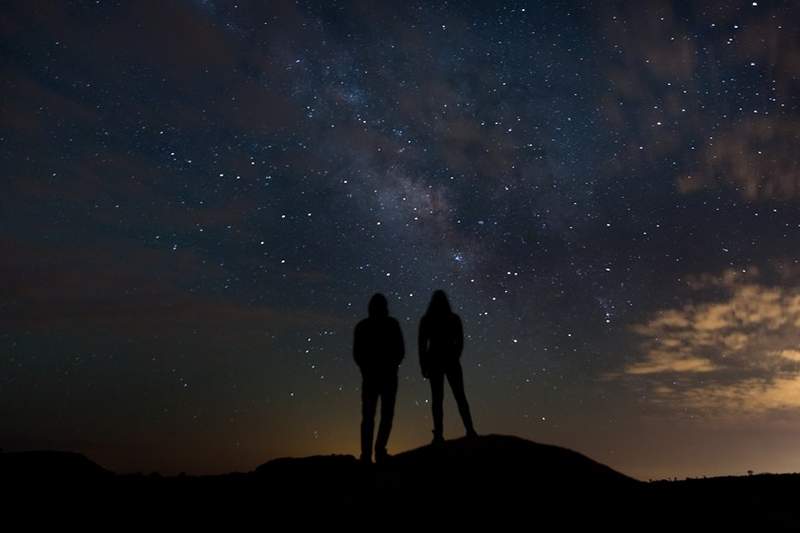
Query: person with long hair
[(441, 341)]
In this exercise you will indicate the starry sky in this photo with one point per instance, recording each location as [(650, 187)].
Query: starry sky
[(199, 198)]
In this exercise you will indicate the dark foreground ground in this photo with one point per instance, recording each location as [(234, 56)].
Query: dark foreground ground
[(491, 480)]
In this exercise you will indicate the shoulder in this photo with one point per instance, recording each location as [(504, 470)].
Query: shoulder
[(362, 324)]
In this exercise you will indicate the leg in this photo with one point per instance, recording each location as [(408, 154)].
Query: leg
[(437, 396), (369, 401), (455, 377), (388, 396)]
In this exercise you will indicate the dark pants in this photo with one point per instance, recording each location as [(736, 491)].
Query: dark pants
[(456, 379), (384, 388)]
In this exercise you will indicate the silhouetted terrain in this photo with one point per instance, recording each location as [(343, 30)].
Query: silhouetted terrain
[(46, 466), (497, 479)]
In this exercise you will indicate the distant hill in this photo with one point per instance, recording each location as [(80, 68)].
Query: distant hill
[(493, 479), (462, 464), (50, 466)]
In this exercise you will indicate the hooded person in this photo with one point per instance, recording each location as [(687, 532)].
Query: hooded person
[(378, 350)]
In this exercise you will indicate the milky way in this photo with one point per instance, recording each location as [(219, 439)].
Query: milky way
[(199, 198)]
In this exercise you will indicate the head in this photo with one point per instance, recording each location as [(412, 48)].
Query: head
[(378, 306), (439, 304)]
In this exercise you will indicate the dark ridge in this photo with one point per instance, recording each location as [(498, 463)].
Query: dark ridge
[(52, 466), (494, 479), (467, 462), (509, 457)]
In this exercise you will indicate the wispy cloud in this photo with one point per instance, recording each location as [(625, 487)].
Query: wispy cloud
[(734, 347), (755, 156), (667, 87)]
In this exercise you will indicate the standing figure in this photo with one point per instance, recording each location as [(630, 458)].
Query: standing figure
[(441, 340), (378, 349)]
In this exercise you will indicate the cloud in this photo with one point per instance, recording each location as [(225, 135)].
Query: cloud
[(30, 108), (727, 278), (734, 347), (790, 354), (130, 290), (755, 156), (672, 90), (651, 70), (750, 396), (663, 361)]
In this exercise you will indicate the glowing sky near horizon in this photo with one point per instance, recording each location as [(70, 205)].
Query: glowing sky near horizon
[(199, 198)]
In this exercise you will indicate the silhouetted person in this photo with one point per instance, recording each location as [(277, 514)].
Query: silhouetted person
[(441, 340), (378, 350)]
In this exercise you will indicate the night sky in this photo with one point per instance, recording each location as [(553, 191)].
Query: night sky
[(199, 198)]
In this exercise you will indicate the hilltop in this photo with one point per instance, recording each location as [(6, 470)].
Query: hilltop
[(492, 478)]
